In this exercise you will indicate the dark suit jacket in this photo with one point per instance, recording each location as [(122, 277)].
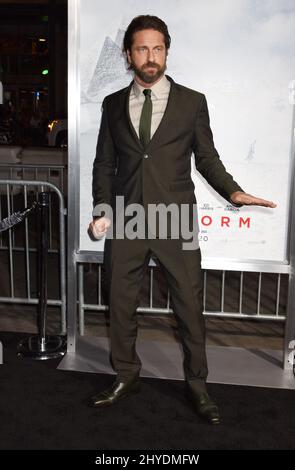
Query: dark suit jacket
[(161, 172)]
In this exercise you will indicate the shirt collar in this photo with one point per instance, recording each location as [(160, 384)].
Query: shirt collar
[(162, 86)]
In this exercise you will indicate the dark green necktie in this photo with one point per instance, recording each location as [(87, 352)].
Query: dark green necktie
[(146, 118)]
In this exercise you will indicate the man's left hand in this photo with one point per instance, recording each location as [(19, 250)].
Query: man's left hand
[(238, 197)]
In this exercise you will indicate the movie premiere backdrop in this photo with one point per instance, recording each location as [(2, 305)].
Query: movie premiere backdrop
[(240, 53)]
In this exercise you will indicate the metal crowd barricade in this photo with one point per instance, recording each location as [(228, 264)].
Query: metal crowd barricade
[(10, 190), (54, 174), (277, 313)]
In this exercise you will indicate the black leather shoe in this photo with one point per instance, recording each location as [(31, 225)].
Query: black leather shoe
[(117, 390), (205, 407)]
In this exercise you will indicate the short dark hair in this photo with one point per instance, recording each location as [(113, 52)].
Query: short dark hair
[(145, 22)]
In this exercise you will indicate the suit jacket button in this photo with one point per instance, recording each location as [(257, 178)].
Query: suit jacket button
[(145, 156)]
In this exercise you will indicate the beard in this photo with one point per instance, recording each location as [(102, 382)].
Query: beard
[(149, 76)]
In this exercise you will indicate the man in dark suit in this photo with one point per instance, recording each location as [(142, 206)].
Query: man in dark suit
[(147, 135)]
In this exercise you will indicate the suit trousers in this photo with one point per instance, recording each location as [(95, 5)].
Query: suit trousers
[(126, 262)]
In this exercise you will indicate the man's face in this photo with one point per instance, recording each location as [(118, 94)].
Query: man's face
[(147, 56)]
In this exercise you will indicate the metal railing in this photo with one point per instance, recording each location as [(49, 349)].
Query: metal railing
[(262, 302), (15, 194), (54, 174)]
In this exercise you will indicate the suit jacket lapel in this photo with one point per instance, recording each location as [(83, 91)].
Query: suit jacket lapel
[(130, 125), (169, 111)]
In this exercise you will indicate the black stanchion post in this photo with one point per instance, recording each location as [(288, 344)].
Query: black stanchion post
[(42, 346), (43, 213)]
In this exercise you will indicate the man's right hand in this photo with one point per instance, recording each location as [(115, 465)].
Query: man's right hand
[(99, 227)]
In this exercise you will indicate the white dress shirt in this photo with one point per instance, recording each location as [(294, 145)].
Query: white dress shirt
[(159, 96)]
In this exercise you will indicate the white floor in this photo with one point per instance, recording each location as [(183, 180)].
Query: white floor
[(163, 359)]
